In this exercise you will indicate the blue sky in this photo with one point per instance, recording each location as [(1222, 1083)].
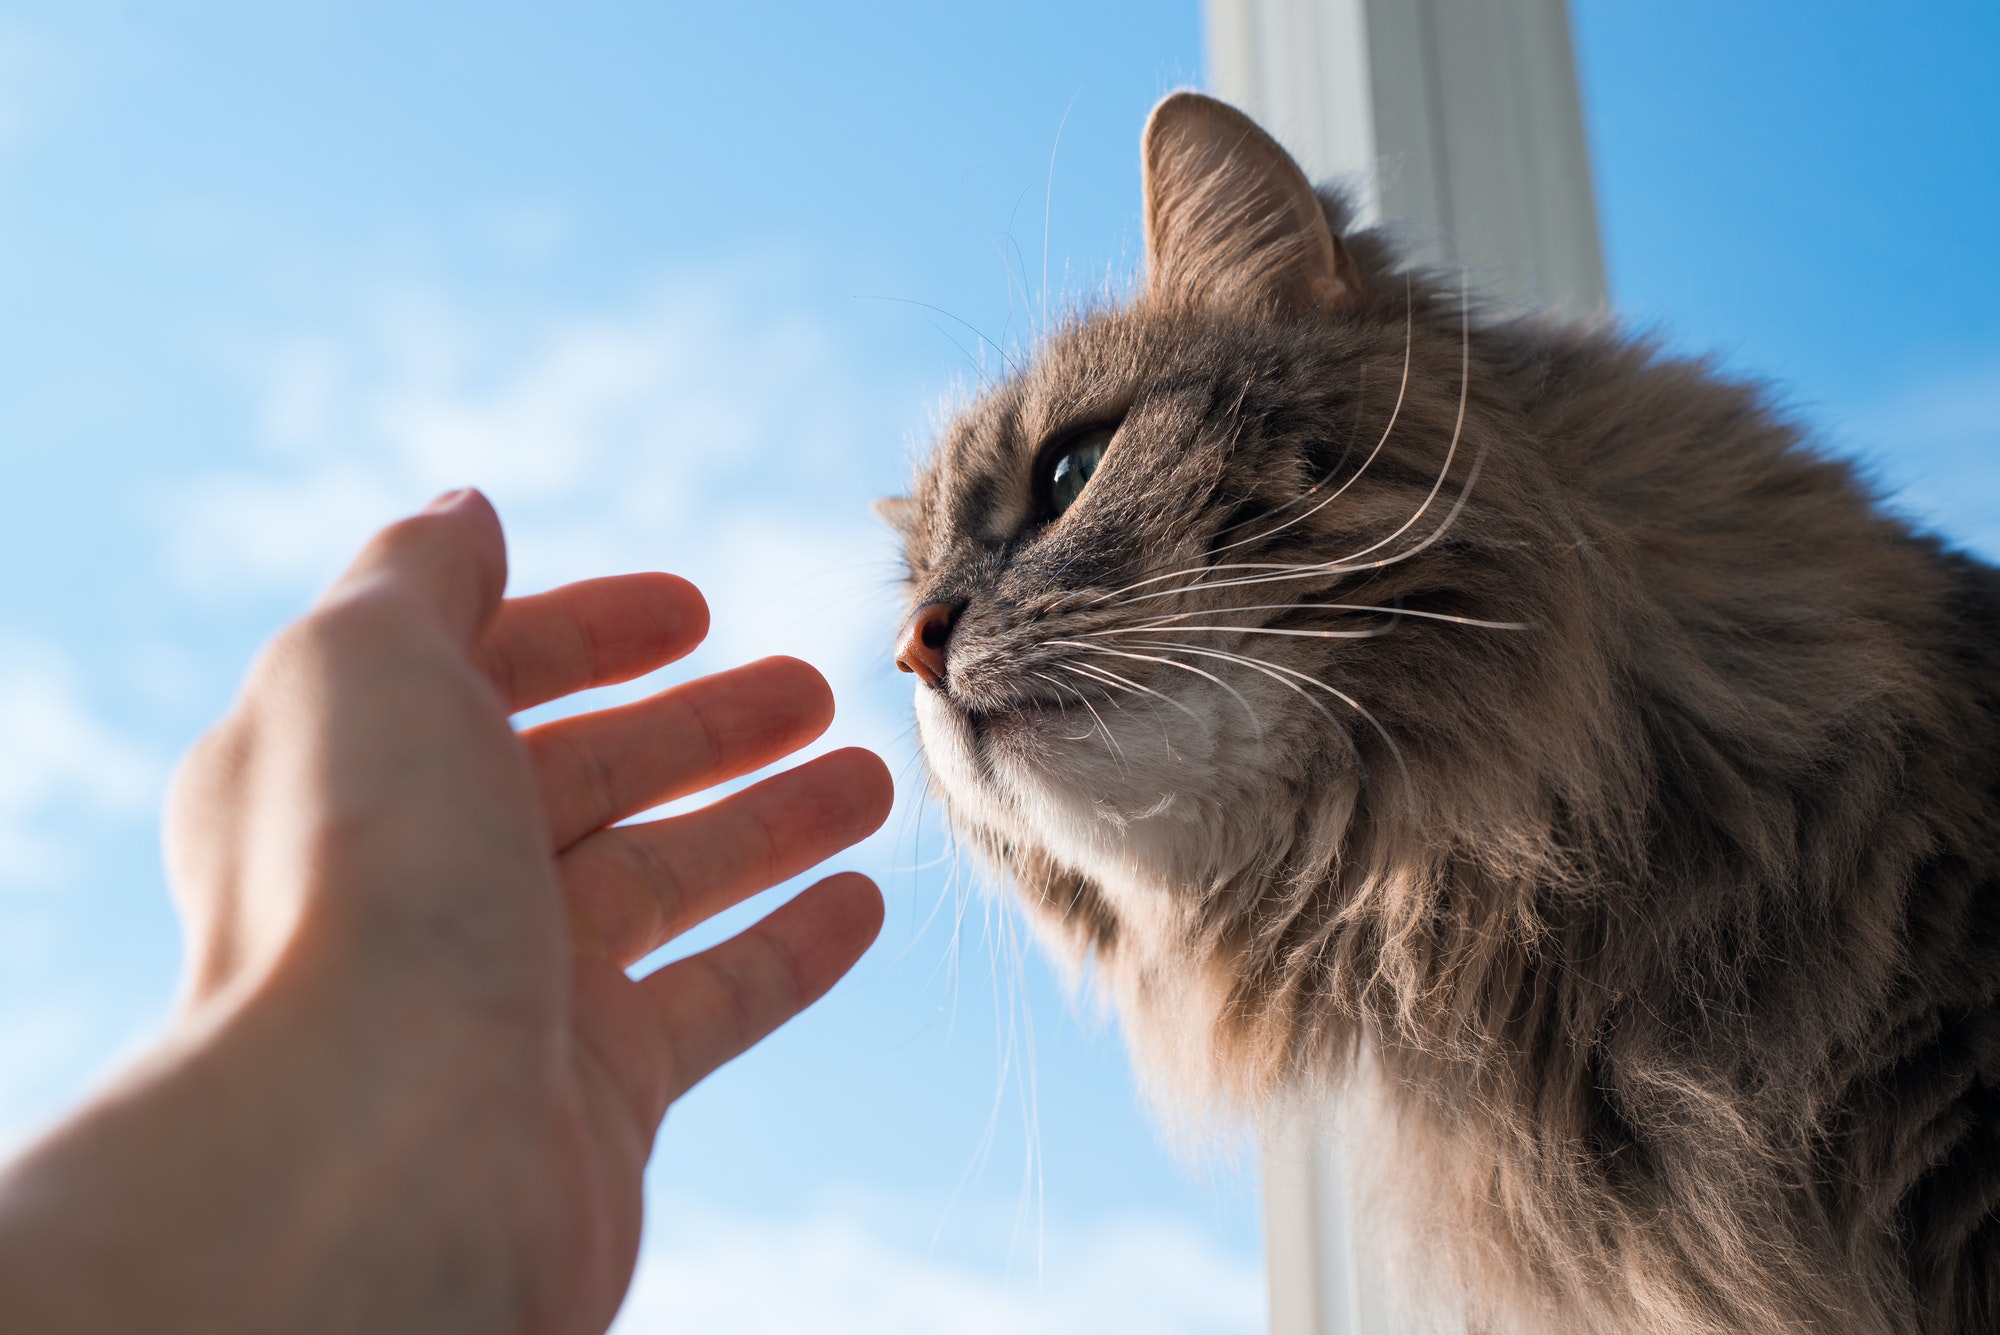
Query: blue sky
[(660, 277)]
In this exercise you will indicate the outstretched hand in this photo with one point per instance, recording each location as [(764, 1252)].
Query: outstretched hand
[(412, 1086)]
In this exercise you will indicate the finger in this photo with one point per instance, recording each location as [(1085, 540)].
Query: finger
[(712, 1006), (598, 768), (633, 888), (451, 558), (591, 633)]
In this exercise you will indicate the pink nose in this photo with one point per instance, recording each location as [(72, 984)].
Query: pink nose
[(921, 649)]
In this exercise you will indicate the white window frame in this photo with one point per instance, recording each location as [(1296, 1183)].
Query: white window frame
[(1456, 123)]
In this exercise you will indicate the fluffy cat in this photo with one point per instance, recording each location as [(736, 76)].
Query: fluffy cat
[(1507, 734)]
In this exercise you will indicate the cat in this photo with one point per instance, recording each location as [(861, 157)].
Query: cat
[(1515, 740)]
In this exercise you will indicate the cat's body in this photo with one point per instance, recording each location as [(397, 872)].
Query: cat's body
[(1509, 735)]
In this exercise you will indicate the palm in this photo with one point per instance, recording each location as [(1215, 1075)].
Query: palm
[(369, 847)]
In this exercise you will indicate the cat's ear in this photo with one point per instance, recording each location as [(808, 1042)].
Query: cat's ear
[(1230, 218), (898, 512)]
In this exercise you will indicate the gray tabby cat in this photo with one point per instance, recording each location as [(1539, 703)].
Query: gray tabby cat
[(1509, 735)]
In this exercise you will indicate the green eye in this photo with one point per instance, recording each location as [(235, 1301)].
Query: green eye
[(1074, 463)]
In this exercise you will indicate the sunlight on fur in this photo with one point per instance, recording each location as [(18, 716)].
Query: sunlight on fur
[(1514, 744)]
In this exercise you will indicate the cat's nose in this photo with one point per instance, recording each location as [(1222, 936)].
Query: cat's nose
[(921, 650)]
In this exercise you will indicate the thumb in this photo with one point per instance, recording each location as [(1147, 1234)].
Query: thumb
[(451, 557)]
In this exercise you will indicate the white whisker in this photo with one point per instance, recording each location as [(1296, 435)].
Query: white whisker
[(1402, 389), (1164, 621), (1373, 632), (1268, 667), (1103, 727), (1348, 564), (1048, 205), (1095, 676), (1451, 450), (1136, 686), (1059, 684), (1063, 686), (1255, 721)]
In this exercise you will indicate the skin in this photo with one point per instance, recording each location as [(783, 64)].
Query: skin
[(410, 1086)]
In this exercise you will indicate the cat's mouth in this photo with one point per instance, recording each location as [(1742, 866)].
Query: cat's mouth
[(1019, 726), (989, 724), (1107, 791)]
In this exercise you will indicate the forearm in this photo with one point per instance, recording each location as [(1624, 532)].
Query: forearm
[(405, 1098), (234, 1182)]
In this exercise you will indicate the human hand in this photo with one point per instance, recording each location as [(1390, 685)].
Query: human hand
[(412, 1087)]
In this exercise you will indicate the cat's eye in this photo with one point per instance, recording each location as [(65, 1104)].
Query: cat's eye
[(1070, 465)]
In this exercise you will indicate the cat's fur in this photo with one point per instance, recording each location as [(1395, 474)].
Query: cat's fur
[(1649, 934)]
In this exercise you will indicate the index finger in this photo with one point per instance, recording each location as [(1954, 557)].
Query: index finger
[(602, 767), (591, 633)]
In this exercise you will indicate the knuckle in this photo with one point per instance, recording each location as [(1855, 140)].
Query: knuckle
[(330, 630), (764, 840), (707, 739), (590, 646), (758, 986), (666, 895), (786, 972)]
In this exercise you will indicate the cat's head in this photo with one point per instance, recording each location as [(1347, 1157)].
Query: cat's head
[(1219, 603)]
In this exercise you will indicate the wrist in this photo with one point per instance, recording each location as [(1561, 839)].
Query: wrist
[(258, 1173)]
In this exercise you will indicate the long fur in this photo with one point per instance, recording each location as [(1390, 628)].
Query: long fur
[(1629, 881)]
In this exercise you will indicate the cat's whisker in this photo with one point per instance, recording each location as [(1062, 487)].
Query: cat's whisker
[(1451, 517), (1006, 1051), (1471, 477), (1105, 728), (1101, 677), (1255, 721), (1272, 572), (1346, 566), (1005, 360), (1062, 687), (1167, 619), (1349, 564), (927, 794), (1059, 684), (1048, 204), (1395, 413), (1138, 686), (1268, 667), (1451, 450), (1278, 571), (1373, 632), (1098, 676), (1092, 675), (1235, 435), (1007, 265)]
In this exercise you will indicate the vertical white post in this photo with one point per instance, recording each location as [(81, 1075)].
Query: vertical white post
[(1321, 1283), (1457, 124), (1455, 121)]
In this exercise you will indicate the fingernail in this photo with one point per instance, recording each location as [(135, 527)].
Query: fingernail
[(447, 500)]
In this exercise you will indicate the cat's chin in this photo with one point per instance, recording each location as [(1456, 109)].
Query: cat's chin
[(1118, 810)]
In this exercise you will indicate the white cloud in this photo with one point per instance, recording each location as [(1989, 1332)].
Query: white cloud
[(699, 428), (56, 756), (831, 1274), (609, 440)]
